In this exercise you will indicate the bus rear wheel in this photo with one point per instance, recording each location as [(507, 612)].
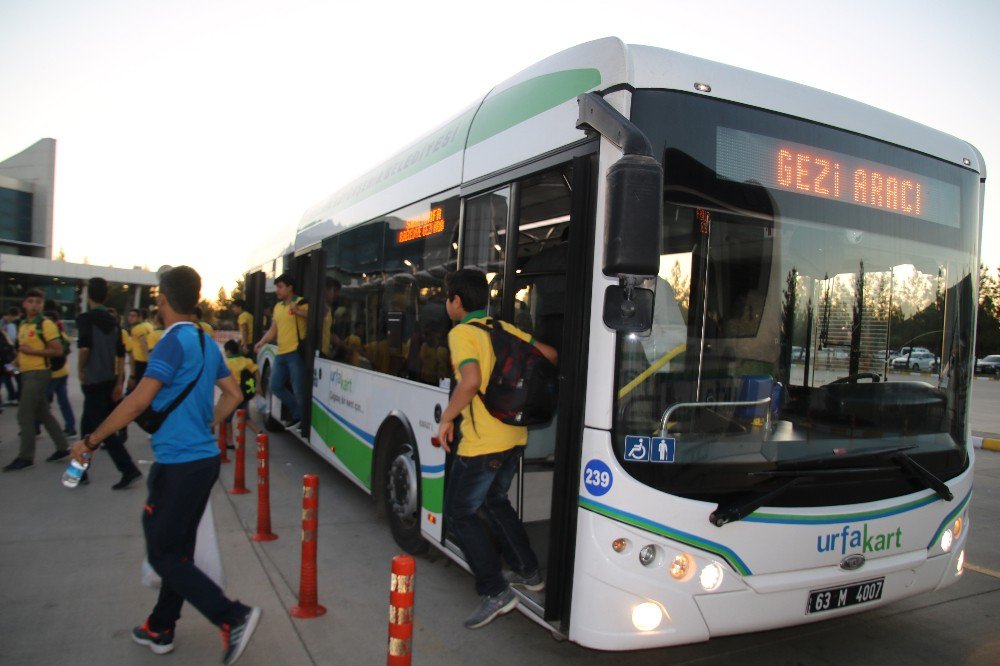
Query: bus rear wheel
[(400, 475)]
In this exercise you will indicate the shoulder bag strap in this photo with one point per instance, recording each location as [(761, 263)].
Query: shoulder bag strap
[(187, 390)]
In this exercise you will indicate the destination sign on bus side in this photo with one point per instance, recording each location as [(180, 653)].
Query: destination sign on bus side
[(826, 174), (421, 227)]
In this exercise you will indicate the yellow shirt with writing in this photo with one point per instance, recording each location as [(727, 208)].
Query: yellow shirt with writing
[(140, 331), (291, 328), (205, 326), (28, 338), (244, 324), (481, 432)]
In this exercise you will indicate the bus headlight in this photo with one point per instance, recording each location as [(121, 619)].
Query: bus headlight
[(960, 563), (681, 567), (647, 556), (711, 577), (947, 539), (957, 528), (647, 616)]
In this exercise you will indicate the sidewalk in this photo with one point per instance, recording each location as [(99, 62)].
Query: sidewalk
[(71, 562)]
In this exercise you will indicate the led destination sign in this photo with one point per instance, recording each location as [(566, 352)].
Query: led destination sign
[(825, 174), (421, 227)]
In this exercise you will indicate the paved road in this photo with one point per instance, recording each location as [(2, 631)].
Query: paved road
[(69, 591)]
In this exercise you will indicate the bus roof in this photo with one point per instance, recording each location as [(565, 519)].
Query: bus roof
[(535, 112)]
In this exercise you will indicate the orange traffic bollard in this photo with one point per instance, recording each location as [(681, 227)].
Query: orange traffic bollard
[(239, 473), (263, 493), (308, 605), (223, 439), (401, 610)]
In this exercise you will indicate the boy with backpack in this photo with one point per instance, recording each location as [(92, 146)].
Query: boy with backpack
[(487, 456), (37, 343), (245, 372)]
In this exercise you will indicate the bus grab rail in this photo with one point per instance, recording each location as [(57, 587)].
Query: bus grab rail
[(728, 403)]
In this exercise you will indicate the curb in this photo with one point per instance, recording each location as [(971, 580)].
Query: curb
[(985, 443)]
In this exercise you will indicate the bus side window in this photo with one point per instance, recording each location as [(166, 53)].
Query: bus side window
[(421, 247)]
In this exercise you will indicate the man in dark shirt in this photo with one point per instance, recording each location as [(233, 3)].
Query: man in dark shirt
[(101, 363)]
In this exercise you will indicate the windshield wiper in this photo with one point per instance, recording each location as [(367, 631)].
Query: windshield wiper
[(734, 511)]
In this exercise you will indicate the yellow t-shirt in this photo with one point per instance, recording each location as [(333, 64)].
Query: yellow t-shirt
[(140, 331), (126, 341), (244, 324), (291, 328), (205, 326), (27, 338), (481, 433), (153, 337)]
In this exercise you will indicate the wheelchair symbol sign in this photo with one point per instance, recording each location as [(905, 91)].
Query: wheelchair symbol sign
[(637, 448)]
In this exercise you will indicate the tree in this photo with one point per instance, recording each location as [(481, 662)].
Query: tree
[(239, 291), (988, 316)]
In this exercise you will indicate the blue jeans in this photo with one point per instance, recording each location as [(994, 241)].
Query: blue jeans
[(289, 367), (57, 388), (482, 482)]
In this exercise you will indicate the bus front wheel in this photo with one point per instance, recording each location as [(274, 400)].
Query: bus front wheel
[(400, 476)]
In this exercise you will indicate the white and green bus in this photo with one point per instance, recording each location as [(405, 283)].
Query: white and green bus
[(722, 259)]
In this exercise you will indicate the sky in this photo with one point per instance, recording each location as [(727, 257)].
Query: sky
[(189, 131)]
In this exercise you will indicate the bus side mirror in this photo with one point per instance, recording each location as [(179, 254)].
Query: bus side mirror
[(632, 239), (633, 216), (628, 312)]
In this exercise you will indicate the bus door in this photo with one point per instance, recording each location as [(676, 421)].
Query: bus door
[(309, 272), (531, 240)]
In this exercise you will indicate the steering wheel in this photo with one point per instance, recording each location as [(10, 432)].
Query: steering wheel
[(853, 379)]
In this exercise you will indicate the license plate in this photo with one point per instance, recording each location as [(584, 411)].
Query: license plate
[(842, 597)]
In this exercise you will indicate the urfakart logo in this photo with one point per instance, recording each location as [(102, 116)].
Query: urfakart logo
[(337, 379), (853, 539)]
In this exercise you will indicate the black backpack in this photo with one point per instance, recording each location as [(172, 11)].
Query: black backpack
[(248, 384), (524, 387), (59, 362)]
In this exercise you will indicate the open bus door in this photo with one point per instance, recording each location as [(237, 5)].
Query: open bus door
[(533, 238), (308, 270)]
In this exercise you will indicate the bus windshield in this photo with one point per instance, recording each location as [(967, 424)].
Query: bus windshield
[(814, 302)]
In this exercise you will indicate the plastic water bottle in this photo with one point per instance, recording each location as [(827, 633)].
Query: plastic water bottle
[(74, 472)]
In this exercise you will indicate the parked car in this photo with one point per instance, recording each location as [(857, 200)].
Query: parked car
[(916, 360), (989, 365)]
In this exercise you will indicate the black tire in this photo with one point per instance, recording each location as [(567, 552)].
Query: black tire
[(399, 478)]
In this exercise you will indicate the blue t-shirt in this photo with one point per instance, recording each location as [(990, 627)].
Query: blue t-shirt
[(175, 360)]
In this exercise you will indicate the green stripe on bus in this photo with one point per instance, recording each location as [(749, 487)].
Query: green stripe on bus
[(432, 494), (355, 454), (529, 98), (692, 540)]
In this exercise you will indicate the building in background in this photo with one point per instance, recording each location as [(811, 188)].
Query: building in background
[(27, 192)]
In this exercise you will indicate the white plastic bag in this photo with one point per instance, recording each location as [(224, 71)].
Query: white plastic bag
[(206, 554)]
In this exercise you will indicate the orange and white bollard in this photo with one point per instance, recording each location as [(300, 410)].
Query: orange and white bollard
[(401, 610), (263, 493), (308, 605), (223, 439), (239, 473)]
